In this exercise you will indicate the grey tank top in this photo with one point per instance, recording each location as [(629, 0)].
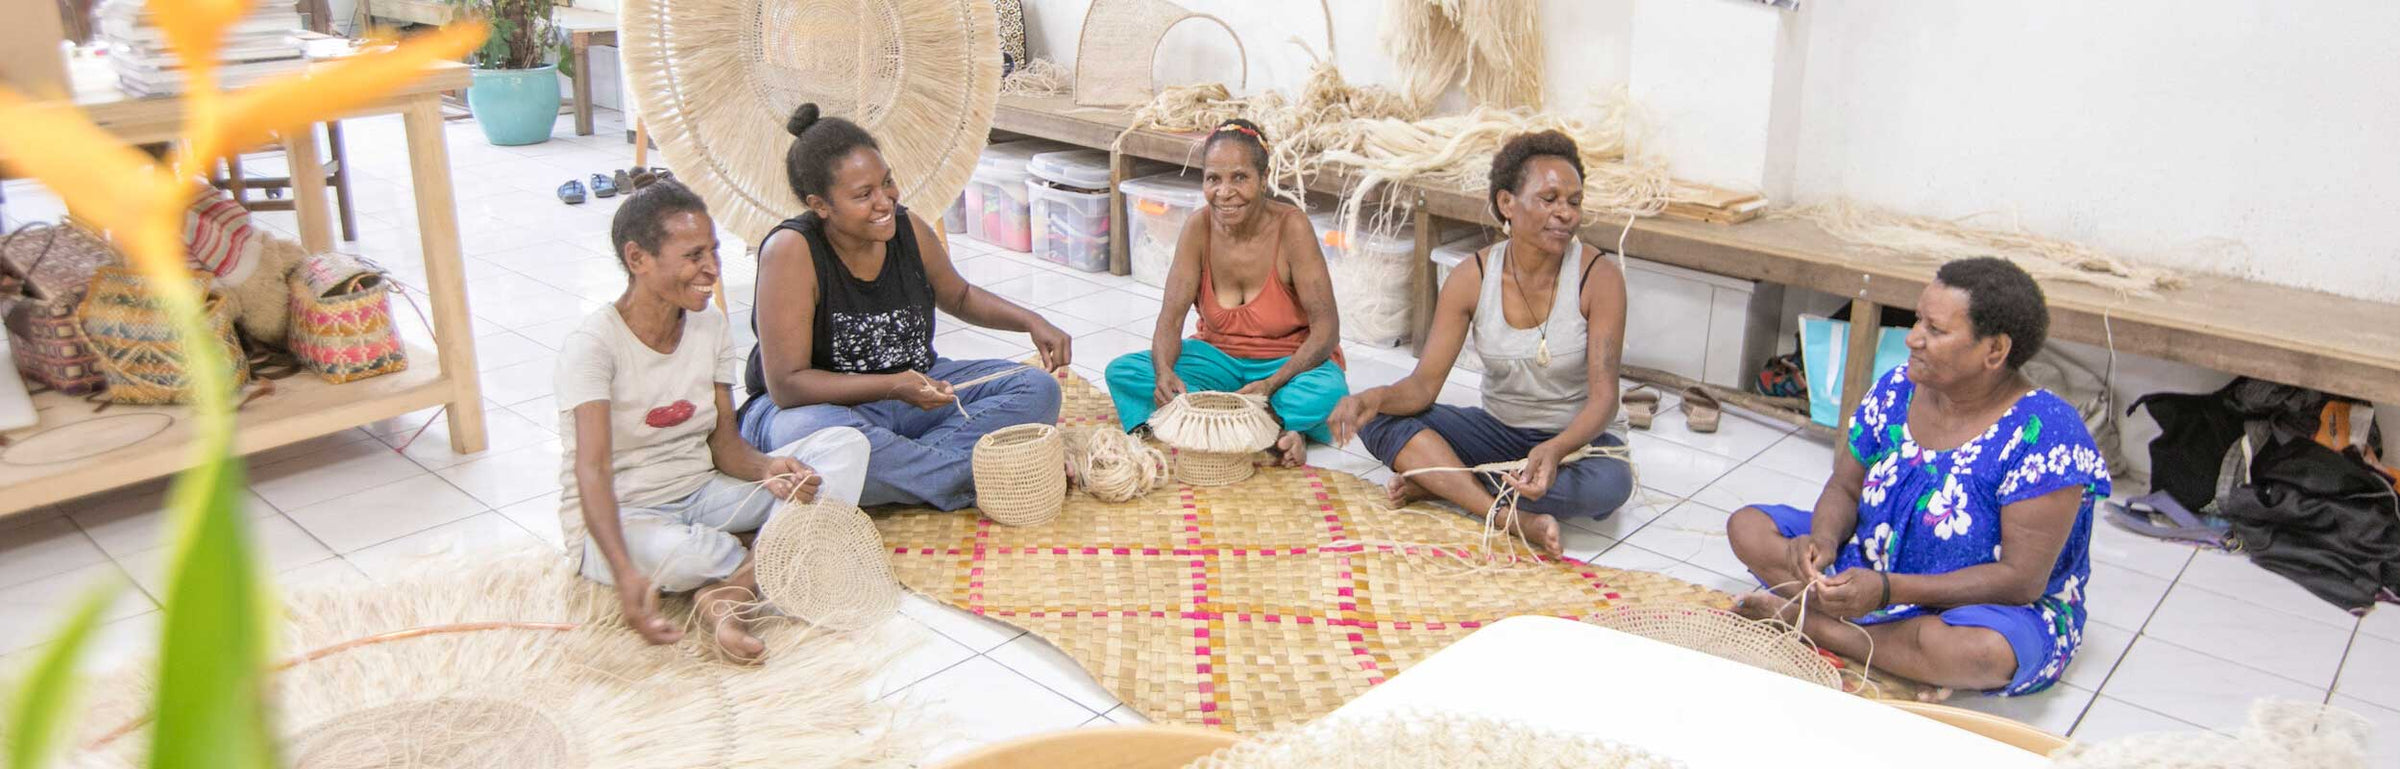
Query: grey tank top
[(1517, 387)]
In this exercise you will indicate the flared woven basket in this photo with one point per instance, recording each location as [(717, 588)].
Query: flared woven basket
[(1214, 435), (824, 563), (715, 81), (1021, 475)]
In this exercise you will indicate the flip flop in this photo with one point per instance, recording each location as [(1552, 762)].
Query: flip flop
[(1700, 410), (571, 192), (603, 186), (1641, 404), (2141, 515)]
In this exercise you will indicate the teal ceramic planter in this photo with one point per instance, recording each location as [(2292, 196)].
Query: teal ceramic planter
[(515, 106)]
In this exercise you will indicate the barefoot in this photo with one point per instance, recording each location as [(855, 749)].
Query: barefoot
[(1540, 531), (718, 611), (1758, 604), (1935, 694), (1291, 449), (1404, 492)]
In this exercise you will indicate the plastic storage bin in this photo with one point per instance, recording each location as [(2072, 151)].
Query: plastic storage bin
[(954, 218), (998, 211), (1070, 215), (1446, 258), (1156, 208), (1370, 280)]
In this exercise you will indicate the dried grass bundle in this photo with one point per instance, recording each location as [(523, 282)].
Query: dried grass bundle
[(716, 80), (2281, 734), (1216, 423), (1927, 241), (1407, 740), (1114, 466), (1495, 44), (1039, 77)]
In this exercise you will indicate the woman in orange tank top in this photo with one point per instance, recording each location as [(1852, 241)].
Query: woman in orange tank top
[(1267, 322)]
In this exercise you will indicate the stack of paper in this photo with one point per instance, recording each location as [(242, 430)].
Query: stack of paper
[(262, 46)]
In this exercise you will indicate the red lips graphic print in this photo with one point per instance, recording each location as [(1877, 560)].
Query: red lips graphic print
[(670, 415)]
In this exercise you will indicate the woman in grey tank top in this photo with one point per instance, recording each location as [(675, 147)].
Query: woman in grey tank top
[(1548, 316)]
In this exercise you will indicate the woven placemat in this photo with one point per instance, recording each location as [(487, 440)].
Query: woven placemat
[(1232, 607)]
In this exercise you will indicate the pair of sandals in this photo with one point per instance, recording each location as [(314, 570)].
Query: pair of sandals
[(1701, 411), (2158, 516), (607, 186)]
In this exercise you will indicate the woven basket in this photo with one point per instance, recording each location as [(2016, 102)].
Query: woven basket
[(1213, 468), (346, 335), (44, 339), (127, 329), (824, 562), (1021, 475)]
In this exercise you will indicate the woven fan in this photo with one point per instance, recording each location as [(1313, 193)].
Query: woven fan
[(1215, 434), (1119, 42), (716, 80), (1769, 646), (823, 562)]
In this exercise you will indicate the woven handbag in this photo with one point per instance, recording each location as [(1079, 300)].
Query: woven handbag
[(342, 320), (127, 328), (46, 268)]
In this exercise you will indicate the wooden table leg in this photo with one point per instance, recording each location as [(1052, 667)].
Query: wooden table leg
[(641, 144), (1858, 368), (1421, 283), (1120, 250), (308, 189), (445, 276), (581, 44)]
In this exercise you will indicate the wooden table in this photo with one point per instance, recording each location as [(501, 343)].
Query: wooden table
[(302, 406), (2330, 343), (1705, 711), (584, 27)]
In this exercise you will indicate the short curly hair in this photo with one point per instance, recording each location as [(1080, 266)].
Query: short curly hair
[(817, 144), (1508, 165), (642, 218), (2001, 299), (1242, 132)]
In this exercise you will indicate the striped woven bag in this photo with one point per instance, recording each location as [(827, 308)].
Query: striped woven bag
[(342, 320), (126, 327)]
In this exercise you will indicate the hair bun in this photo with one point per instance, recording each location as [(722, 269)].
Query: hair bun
[(802, 118)]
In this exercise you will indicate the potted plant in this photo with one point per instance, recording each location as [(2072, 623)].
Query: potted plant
[(515, 93)]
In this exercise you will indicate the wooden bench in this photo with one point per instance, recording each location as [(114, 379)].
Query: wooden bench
[(2334, 344)]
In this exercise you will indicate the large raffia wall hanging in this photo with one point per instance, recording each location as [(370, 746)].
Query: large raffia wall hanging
[(717, 79), (1119, 42), (520, 663), (1496, 45)]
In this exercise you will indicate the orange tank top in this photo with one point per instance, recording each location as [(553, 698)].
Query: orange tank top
[(1270, 325)]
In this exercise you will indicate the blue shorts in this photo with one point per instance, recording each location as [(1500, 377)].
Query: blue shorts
[(2042, 654)]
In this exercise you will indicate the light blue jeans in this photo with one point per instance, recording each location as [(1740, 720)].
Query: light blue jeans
[(689, 542), (921, 456)]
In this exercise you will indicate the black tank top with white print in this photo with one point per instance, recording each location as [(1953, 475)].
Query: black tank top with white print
[(878, 326)]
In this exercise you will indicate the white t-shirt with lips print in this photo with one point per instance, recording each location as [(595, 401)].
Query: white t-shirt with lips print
[(661, 408)]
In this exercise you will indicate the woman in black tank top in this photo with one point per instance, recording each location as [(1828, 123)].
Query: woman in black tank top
[(844, 318)]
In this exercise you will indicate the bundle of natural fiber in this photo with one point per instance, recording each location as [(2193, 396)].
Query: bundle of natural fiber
[(521, 663), (2282, 734), (1495, 44), (1928, 241), (823, 562), (1297, 127), (1112, 465), (717, 79), (1455, 151), (1214, 434), (1039, 77), (1766, 645), (1021, 474), (1405, 740)]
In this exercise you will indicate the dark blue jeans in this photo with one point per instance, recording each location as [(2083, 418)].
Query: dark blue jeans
[(1590, 488), (920, 456)]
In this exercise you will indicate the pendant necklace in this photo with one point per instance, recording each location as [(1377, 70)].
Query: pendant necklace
[(1541, 350)]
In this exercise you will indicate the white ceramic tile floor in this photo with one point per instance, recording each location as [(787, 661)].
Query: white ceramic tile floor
[(2177, 639)]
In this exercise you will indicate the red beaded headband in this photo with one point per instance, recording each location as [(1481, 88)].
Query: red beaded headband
[(1237, 127)]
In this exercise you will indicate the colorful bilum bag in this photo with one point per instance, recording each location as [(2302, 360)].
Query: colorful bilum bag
[(47, 267), (128, 329), (342, 320)]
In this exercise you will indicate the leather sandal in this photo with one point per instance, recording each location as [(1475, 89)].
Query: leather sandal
[(1641, 405), (571, 192), (623, 181), (1700, 410)]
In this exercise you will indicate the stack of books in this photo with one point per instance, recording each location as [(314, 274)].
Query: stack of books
[(260, 47)]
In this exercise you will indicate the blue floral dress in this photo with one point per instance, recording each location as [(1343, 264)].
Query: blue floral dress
[(1923, 511)]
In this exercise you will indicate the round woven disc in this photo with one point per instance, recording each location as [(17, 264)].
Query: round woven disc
[(715, 81), (447, 731), (1762, 645), (823, 562)]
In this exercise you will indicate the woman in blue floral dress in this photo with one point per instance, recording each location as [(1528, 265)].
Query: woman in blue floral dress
[(1955, 531)]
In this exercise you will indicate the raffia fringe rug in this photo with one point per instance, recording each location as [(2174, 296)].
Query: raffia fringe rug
[(1232, 607)]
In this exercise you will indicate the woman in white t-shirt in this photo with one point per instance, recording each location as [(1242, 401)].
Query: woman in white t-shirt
[(657, 479)]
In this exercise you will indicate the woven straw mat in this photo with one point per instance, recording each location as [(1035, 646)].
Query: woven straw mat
[(1226, 607)]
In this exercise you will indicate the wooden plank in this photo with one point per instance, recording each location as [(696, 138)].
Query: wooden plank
[(301, 407), (1120, 247), (2331, 343), (437, 227), (1858, 362), (1420, 279), (580, 43), (308, 189)]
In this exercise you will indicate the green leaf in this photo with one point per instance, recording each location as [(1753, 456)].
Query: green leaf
[(49, 692), (213, 660)]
